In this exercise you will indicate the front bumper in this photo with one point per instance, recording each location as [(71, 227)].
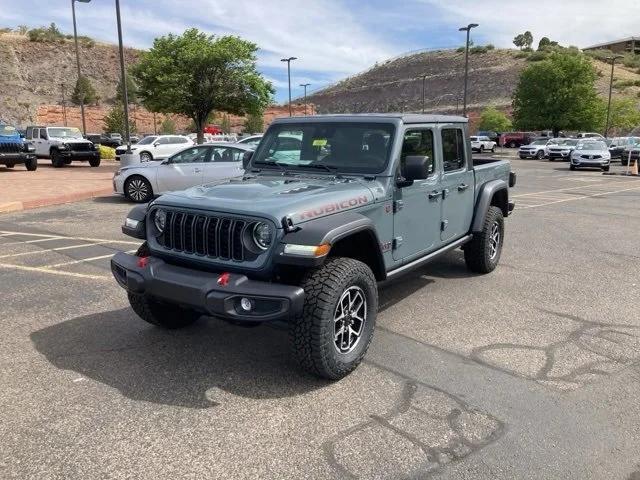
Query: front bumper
[(18, 157), (565, 155), (596, 163), (79, 155), (202, 291)]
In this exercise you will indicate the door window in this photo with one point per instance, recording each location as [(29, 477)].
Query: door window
[(176, 140), (453, 152), (192, 155), (417, 143), (43, 133), (163, 141), (227, 154)]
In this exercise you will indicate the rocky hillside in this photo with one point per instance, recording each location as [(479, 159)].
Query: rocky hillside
[(396, 85), (33, 73)]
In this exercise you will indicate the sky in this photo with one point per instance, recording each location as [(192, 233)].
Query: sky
[(336, 38)]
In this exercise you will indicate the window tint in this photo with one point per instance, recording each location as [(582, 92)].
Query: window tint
[(177, 140), (453, 157), (417, 143), (163, 141), (43, 133), (227, 154), (192, 155)]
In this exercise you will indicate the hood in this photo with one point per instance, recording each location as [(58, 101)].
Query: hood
[(153, 163), (69, 140), (531, 145), (10, 139), (591, 152), (299, 197)]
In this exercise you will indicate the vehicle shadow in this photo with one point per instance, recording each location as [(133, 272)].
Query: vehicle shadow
[(176, 367), (112, 199)]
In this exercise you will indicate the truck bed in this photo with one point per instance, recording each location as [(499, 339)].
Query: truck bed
[(486, 169)]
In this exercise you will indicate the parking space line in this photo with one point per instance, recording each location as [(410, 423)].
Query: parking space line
[(62, 237), (44, 250), (559, 190), (54, 272), (581, 197), (82, 260)]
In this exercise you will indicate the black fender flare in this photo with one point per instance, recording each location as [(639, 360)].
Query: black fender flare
[(138, 214), (330, 229), (485, 197)]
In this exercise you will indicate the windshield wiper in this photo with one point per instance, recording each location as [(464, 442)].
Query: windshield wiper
[(281, 165), (319, 166)]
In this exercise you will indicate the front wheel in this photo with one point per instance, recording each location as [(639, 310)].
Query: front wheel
[(540, 155), (481, 149), (160, 314), (138, 189), (605, 169), (94, 162), (146, 157), (493, 149), (572, 167), (31, 164), (332, 334), (56, 159), (482, 253), (512, 145)]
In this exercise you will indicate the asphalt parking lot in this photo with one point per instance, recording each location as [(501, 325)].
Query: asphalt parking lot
[(529, 372)]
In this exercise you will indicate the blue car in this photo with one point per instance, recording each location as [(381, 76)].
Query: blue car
[(14, 150)]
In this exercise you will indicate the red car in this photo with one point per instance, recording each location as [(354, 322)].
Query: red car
[(516, 139), (213, 129)]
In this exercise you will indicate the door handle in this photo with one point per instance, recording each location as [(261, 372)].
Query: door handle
[(462, 187), (434, 194)]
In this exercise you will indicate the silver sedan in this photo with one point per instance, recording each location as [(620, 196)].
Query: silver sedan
[(591, 153), (193, 166)]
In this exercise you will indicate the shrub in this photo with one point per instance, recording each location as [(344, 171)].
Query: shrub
[(600, 54), (522, 55), (460, 49), (537, 56), (490, 46), (622, 84), (46, 34), (481, 48), (107, 152), (631, 61)]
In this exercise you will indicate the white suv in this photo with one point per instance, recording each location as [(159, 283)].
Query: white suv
[(482, 143), (156, 147)]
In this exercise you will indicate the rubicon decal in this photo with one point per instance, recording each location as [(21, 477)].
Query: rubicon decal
[(334, 207)]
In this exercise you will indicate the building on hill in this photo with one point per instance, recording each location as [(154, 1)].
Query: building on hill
[(624, 45)]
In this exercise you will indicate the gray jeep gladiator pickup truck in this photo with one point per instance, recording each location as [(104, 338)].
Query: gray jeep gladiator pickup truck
[(328, 208)]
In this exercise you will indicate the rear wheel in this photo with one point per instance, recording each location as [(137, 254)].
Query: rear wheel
[(572, 167), (482, 253), (9, 165), (56, 159), (138, 189), (146, 157), (512, 144), (493, 149), (94, 162), (31, 164), (332, 334), (161, 314), (481, 148)]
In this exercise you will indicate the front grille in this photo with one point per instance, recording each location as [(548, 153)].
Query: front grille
[(591, 157), (81, 147), (11, 147), (214, 237)]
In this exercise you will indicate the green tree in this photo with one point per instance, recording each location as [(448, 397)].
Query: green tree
[(225, 124), (195, 74), (528, 39), (167, 127), (558, 93), (254, 123), (494, 120), (114, 121), (624, 116), (132, 90), (84, 92), (519, 41)]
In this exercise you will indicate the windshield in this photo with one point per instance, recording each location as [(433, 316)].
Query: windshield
[(570, 142), (347, 147), (64, 132), (474, 139), (539, 142), (8, 131), (146, 141), (592, 146)]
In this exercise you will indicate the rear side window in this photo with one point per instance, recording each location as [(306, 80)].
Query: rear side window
[(453, 154), (43, 133)]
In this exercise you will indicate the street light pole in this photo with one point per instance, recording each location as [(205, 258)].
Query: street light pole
[(305, 85), (466, 65), (288, 60), (75, 37), (424, 78), (613, 61), (123, 80), (64, 104)]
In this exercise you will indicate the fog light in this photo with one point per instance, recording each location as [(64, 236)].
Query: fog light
[(246, 304)]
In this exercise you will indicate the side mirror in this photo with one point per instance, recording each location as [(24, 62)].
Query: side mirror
[(417, 167), (246, 158), (155, 144)]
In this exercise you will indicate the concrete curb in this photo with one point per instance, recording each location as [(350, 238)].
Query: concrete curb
[(45, 202)]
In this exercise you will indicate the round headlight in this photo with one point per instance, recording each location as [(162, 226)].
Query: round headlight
[(160, 220), (262, 235)]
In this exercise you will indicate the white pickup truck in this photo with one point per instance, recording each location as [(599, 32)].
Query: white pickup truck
[(481, 143)]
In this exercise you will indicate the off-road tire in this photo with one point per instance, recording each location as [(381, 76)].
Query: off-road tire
[(94, 162), (31, 164), (312, 333), (477, 253), (9, 165), (56, 160), (161, 314)]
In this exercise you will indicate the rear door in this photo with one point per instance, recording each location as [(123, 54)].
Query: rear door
[(41, 142), (416, 219), (225, 162), (183, 170), (457, 183)]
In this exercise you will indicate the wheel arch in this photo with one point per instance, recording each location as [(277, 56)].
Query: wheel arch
[(494, 193)]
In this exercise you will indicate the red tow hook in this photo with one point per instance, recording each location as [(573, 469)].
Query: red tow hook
[(143, 262), (223, 279)]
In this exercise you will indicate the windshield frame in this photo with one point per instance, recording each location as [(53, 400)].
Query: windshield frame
[(262, 158)]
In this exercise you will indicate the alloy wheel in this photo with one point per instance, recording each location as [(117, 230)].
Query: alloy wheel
[(349, 319), (138, 189), (494, 240)]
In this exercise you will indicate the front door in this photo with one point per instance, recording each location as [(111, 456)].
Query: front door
[(225, 162), (40, 142), (457, 183), (416, 224), (183, 170)]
